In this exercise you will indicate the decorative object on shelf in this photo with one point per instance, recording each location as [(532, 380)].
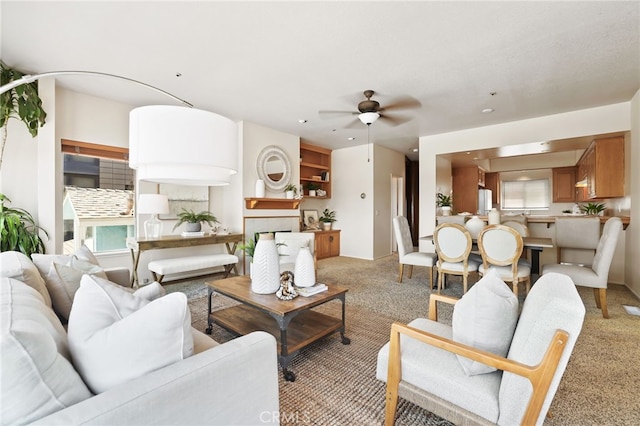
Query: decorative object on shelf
[(474, 226), (265, 268), (153, 204), (299, 192), (576, 209), (194, 220), (260, 188), (444, 202), (305, 269), (274, 168), (310, 219), (312, 187), (321, 193), (494, 217), (596, 209), (19, 230), (290, 191), (327, 219), (286, 290)]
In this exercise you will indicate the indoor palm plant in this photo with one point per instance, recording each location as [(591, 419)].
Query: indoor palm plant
[(290, 191), (595, 209), (327, 218), (194, 220), (20, 102), (18, 230), (444, 202)]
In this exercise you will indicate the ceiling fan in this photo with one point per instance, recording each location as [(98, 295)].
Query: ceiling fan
[(369, 111)]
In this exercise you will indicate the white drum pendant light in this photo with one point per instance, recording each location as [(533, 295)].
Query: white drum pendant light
[(180, 145)]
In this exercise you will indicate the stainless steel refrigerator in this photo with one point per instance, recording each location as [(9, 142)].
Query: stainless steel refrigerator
[(484, 201)]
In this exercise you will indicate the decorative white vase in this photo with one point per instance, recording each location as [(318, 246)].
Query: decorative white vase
[(305, 271), (260, 188), (446, 210), (312, 193), (494, 217), (326, 226), (265, 268), (288, 195), (474, 226)]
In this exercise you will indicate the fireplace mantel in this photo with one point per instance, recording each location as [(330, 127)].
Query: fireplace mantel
[(272, 203)]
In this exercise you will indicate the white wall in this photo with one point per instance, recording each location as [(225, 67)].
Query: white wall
[(632, 252), (352, 175), (605, 119)]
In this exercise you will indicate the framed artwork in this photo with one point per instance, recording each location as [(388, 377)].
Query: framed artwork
[(310, 219), (194, 198)]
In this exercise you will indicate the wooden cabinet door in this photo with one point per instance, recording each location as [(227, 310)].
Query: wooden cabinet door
[(564, 185), (608, 168), (492, 182), (327, 244), (334, 244), (465, 189)]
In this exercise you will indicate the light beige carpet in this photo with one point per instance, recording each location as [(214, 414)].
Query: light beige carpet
[(336, 383)]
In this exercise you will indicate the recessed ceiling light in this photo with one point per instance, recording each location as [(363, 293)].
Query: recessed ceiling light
[(302, 121), (415, 149), (487, 110), (351, 138)]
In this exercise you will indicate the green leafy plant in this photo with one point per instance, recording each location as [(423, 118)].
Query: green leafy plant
[(328, 216), (250, 247), (593, 208), (312, 186), (291, 187), (18, 230), (443, 200), (20, 102), (189, 216)]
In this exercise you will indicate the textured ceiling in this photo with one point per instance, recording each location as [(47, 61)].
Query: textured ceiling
[(274, 63)]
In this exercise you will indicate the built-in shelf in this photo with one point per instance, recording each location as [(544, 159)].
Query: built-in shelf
[(271, 203)]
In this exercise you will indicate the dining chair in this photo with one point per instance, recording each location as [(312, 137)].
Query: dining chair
[(595, 276), (450, 219), (453, 246), (523, 230), (501, 247), (579, 234), (407, 255)]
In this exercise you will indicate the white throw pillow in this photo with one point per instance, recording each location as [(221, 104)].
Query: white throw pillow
[(16, 265), (63, 280), (37, 377), (116, 336), (150, 291), (485, 318)]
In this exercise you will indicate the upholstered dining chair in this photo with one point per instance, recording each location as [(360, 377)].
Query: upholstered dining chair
[(407, 255), (453, 246), (501, 247), (595, 276), (577, 233), (523, 230), (450, 219)]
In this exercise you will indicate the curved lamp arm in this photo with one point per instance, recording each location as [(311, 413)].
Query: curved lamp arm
[(31, 78)]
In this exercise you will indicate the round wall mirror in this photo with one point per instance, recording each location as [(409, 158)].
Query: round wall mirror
[(274, 168)]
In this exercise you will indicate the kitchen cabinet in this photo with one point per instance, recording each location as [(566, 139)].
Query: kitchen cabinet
[(492, 182), (564, 184), (327, 244), (602, 164), (315, 167), (466, 181)]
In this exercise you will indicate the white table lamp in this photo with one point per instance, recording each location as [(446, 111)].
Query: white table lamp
[(153, 204)]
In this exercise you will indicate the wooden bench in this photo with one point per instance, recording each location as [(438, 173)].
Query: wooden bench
[(160, 268)]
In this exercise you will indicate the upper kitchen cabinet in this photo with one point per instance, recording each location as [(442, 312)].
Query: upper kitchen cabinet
[(602, 166), (315, 167), (564, 185), (466, 181)]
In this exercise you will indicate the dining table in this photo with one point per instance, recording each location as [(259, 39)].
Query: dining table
[(535, 245)]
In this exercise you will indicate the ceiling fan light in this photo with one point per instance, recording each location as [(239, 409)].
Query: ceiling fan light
[(368, 117)]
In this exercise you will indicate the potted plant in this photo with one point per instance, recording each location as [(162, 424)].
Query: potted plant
[(194, 220), (20, 102), (444, 202), (327, 218), (596, 209), (18, 230), (312, 187), (290, 191)]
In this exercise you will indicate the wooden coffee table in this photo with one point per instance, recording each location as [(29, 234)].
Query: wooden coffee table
[(292, 322)]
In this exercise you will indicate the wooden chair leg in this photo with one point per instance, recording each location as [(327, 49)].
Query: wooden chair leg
[(394, 374), (440, 279), (596, 295), (601, 301), (430, 278), (410, 271), (401, 272), (464, 283)]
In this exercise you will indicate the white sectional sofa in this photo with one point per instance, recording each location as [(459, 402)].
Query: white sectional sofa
[(50, 376)]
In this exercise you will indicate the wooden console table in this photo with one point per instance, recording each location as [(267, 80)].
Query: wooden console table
[(137, 246)]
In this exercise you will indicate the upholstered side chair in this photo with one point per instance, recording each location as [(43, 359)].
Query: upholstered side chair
[(595, 276), (577, 233), (453, 247), (407, 254)]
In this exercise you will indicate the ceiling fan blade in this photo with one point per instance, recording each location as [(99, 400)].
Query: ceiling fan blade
[(406, 102), (394, 120), (354, 124), (332, 114)]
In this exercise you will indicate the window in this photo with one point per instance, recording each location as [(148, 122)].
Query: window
[(525, 194), (98, 197)]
